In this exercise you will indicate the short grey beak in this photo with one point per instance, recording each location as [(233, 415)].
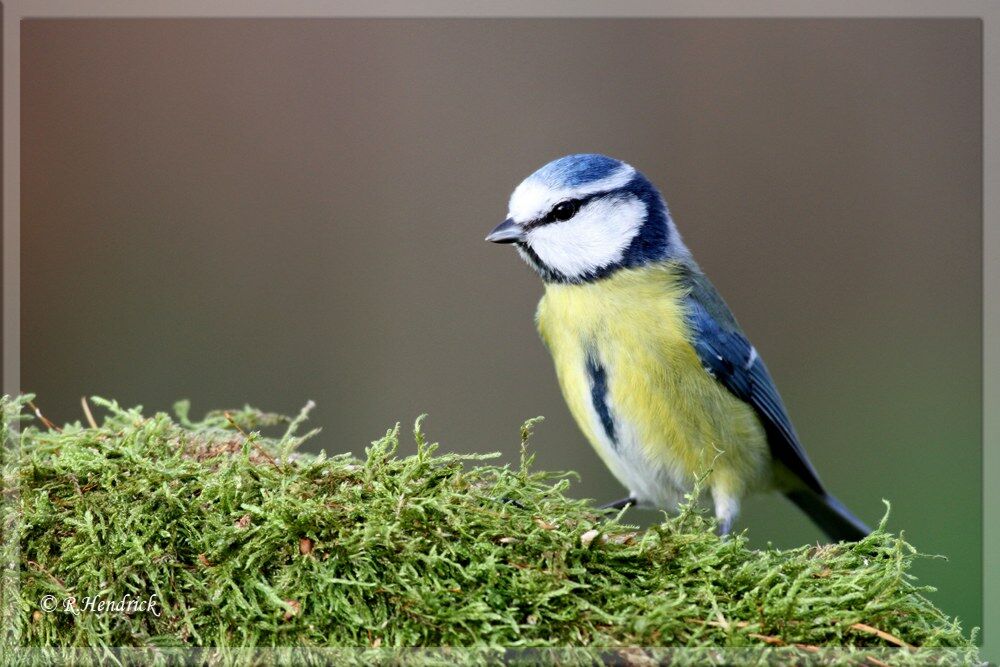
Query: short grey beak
[(507, 231)]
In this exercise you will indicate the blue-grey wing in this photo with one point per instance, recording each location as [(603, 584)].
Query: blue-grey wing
[(729, 357)]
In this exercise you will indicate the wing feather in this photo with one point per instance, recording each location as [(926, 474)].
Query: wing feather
[(729, 357)]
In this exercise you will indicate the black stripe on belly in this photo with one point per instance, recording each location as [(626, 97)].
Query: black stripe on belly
[(599, 396)]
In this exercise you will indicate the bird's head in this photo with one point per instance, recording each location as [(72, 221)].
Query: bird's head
[(583, 217)]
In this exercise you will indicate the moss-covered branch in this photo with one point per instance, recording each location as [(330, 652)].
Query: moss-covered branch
[(245, 543)]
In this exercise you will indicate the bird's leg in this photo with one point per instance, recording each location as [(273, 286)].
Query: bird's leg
[(727, 508), (619, 504)]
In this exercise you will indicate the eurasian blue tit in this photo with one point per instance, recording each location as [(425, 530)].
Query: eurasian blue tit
[(656, 371)]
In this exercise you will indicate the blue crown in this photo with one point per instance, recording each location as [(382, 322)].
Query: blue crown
[(576, 170)]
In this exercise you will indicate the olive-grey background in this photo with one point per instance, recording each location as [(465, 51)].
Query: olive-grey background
[(268, 211)]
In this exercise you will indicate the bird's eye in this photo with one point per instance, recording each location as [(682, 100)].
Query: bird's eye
[(565, 210)]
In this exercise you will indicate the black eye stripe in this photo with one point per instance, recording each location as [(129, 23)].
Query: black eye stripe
[(580, 203)]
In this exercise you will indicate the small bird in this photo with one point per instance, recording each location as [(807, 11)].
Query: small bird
[(653, 366)]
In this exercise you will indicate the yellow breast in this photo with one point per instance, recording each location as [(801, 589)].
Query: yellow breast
[(673, 420)]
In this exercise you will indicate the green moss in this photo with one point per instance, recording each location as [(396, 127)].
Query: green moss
[(246, 543)]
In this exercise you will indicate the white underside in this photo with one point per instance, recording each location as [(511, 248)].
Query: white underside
[(651, 483), (654, 484)]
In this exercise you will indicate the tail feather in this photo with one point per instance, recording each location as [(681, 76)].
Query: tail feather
[(830, 515)]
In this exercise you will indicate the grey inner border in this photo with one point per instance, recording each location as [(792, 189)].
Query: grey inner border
[(989, 13)]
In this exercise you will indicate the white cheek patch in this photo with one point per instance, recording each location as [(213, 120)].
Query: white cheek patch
[(533, 198), (594, 238)]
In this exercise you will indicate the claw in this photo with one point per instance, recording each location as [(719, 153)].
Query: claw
[(620, 504)]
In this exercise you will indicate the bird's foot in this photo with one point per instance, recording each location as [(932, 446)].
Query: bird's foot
[(511, 501), (619, 504)]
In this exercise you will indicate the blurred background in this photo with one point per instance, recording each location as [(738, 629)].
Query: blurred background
[(271, 211)]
